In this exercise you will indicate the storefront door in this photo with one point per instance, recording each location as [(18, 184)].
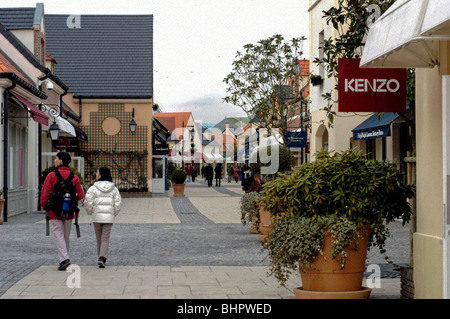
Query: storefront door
[(159, 175)]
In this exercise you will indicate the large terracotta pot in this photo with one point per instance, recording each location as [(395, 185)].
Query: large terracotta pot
[(327, 275), (252, 228), (266, 222), (178, 190)]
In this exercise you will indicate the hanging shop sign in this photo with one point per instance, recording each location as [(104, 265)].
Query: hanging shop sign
[(296, 139), (63, 143), (370, 90)]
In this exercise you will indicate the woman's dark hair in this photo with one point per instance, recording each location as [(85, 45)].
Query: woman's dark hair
[(105, 174)]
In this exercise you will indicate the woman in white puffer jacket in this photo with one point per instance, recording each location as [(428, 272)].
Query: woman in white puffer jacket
[(103, 203)]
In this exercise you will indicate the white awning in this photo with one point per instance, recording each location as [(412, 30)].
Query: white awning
[(408, 35), (63, 124)]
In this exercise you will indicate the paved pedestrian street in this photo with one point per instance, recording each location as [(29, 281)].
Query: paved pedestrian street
[(162, 247)]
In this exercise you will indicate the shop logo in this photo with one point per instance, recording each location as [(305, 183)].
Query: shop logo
[(370, 89), (375, 85)]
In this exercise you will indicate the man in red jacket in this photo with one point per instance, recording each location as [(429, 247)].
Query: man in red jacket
[(61, 227)]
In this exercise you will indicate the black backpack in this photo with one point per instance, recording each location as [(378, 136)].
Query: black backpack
[(56, 199)]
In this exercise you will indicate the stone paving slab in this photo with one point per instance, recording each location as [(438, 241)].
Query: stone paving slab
[(188, 282), (157, 252), (153, 282)]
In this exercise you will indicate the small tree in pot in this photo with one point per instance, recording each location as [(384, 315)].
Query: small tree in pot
[(249, 205), (178, 179), (344, 196)]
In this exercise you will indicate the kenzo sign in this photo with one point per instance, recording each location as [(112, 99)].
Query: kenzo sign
[(376, 85), (370, 89)]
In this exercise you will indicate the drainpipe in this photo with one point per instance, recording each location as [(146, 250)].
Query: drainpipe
[(5, 149), (40, 149), (80, 108), (61, 103)]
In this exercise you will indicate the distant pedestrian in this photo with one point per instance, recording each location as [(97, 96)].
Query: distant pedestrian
[(218, 175), (188, 173), (103, 203), (203, 172), (194, 173), (236, 174), (247, 177), (61, 225), (229, 173), (209, 174)]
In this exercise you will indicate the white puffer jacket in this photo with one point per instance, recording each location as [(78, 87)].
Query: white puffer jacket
[(103, 202)]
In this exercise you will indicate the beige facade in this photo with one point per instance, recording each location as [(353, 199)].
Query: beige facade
[(106, 123), (426, 47), (338, 137), (429, 239)]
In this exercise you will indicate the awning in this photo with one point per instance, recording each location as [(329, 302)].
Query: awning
[(80, 134), (374, 127), (408, 35), (37, 115), (212, 157), (63, 124)]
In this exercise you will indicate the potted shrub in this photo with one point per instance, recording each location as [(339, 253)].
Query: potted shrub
[(178, 179), (249, 206), (335, 209)]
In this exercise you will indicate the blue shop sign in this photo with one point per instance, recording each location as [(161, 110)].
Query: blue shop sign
[(296, 139)]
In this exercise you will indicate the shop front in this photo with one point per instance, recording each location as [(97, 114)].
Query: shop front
[(416, 34)]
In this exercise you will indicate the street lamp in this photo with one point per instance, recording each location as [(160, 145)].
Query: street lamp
[(133, 124), (54, 131)]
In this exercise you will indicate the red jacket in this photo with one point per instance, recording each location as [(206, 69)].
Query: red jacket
[(50, 182)]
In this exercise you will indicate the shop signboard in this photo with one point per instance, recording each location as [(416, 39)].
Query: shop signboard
[(296, 139), (370, 90)]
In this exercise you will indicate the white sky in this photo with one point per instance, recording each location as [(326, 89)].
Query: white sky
[(195, 42)]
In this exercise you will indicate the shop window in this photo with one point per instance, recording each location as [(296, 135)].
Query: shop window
[(17, 157), (371, 148)]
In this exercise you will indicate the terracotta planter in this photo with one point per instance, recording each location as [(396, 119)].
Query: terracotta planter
[(266, 222), (252, 228), (178, 190), (327, 275)]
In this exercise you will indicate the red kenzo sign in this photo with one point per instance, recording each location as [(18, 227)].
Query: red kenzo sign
[(370, 90)]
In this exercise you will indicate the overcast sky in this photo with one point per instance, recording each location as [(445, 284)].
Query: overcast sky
[(195, 42)]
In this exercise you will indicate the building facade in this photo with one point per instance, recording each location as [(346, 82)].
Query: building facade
[(107, 61)]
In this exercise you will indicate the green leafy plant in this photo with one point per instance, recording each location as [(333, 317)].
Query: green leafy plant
[(178, 176), (249, 206), (345, 190), (257, 82)]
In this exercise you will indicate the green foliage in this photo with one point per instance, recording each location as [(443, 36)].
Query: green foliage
[(298, 238), (249, 206), (350, 21), (285, 159), (178, 176), (257, 81), (347, 185)]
